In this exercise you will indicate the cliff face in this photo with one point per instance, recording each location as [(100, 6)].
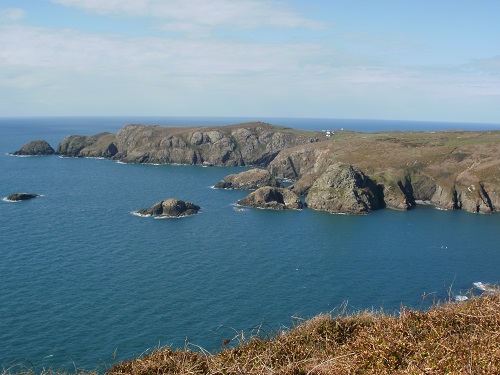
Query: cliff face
[(450, 170), (344, 189), (252, 143), (100, 146)]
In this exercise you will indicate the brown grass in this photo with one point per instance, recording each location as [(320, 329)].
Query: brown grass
[(455, 338)]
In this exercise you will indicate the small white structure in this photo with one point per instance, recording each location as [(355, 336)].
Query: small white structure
[(329, 133)]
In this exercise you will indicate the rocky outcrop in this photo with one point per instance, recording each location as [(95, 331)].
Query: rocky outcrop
[(17, 197), (101, 145), (35, 148), (344, 189), (248, 180), (272, 198), (170, 208), (253, 143)]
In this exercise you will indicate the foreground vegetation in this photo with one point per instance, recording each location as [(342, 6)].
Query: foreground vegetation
[(454, 338)]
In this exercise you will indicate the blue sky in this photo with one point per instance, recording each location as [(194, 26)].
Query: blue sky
[(435, 60)]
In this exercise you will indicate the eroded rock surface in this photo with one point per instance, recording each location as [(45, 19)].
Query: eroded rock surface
[(344, 189), (272, 198), (248, 180)]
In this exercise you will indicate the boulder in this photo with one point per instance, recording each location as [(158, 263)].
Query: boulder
[(21, 197), (272, 198), (38, 147), (170, 208), (248, 180), (343, 188)]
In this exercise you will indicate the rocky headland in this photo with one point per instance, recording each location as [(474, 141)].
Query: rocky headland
[(450, 170), (253, 143), (272, 198), (35, 148), (248, 180), (349, 172), (170, 208)]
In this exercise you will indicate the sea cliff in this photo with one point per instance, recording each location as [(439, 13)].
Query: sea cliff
[(253, 143)]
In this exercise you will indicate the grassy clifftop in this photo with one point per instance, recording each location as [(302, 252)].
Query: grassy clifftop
[(454, 338)]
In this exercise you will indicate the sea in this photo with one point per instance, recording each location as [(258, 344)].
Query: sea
[(84, 283)]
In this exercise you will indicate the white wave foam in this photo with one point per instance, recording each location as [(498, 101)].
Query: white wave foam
[(19, 156), (479, 285), (120, 162), (135, 213), (9, 201), (461, 298), (487, 288)]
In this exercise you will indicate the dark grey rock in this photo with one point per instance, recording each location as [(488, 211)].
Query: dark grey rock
[(35, 148), (170, 208), (21, 197)]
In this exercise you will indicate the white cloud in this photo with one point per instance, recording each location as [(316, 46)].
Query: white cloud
[(39, 47), (201, 16), (11, 14)]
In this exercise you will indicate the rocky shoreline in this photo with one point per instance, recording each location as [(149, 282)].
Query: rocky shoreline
[(348, 173)]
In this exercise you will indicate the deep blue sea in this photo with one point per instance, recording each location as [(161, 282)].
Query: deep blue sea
[(84, 283)]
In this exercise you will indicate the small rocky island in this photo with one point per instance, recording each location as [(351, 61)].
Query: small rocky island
[(272, 198), (170, 208), (17, 197), (35, 148), (248, 180)]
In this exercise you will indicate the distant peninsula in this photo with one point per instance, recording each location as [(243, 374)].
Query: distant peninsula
[(336, 171)]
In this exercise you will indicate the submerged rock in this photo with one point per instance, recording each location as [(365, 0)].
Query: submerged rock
[(170, 208), (272, 198), (248, 180), (21, 197), (38, 148)]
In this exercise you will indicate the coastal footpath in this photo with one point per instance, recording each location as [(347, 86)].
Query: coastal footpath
[(340, 172)]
